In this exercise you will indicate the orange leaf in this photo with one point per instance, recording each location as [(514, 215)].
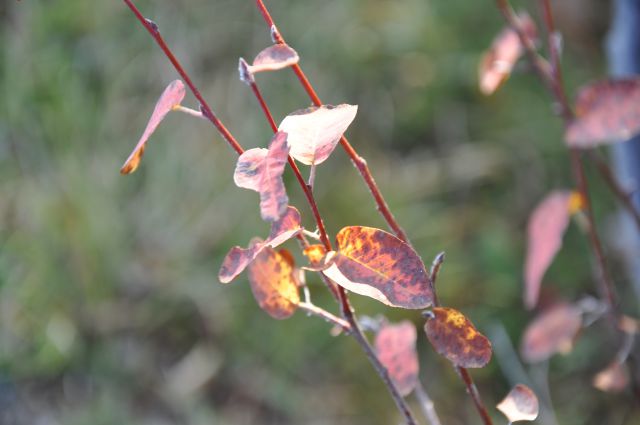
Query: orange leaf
[(553, 331), (454, 337), (261, 170), (396, 348), (506, 49), (170, 98), (314, 132), (273, 284), (315, 253), (377, 264), (521, 404), (545, 230), (239, 258), (606, 112), (613, 379)]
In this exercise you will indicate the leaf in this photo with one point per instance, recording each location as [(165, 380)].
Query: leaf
[(273, 284), (314, 132), (613, 379), (376, 264), (396, 349), (315, 253), (169, 99), (553, 331), (261, 170), (521, 404), (239, 258), (545, 230), (454, 337), (273, 58), (606, 112), (506, 49)]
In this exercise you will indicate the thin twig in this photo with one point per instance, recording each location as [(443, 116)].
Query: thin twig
[(426, 404), (329, 317)]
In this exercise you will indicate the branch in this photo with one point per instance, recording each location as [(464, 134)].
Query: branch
[(317, 311), (426, 404)]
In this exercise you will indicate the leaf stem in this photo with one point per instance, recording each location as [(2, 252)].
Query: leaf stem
[(329, 317)]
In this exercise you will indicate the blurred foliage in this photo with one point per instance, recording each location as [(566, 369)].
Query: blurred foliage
[(110, 310)]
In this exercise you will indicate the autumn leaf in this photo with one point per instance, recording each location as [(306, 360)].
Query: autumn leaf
[(454, 337), (396, 349), (315, 253), (553, 331), (521, 404), (613, 379), (170, 98), (545, 230), (506, 49), (239, 258), (605, 112), (314, 132), (273, 284), (376, 264), (261, 170)]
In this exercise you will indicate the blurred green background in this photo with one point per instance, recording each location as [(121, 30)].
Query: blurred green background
[(110, 308)]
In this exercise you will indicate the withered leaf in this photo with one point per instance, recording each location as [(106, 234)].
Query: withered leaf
[(239, 258), (273, 58), (613, 379), (273, 284), (169, 99), (606, 112), (545, 231), (396, 348), (454, 337), (377, 264), (553, 331), (314, 132), (521, 404)]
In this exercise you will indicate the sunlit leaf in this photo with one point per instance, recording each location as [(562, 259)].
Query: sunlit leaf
[(314, 132), (606, 112), (545, 230), (170, 98), (239, 258), (553, 331), (454, 337), (521, 404), (273, 284), (377, 264), (396, 348), (506, 49), (273, 58), (613, 379), (315, 253), (261, 170)]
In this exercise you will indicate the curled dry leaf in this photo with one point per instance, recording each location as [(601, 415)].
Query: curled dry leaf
[(273, 58), (169, 99), (545, 230), (314, 132), (521, 404), (613, 379), (396, 348), (273, 284), (606, 112), (454, 337), (506, 49), (377, 264), (553, 331), (261, 170), (239, 258)]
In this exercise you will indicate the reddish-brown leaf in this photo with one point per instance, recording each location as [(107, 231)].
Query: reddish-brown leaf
[(274, 58), (553, 331), (273, 284), (613, 379), (239, 258), (170, 98), (454, 337), (377, 264), (261, 170), (396, 348), (545, 230), (506, 49), (521, 404), (314, 132), (606, 112)]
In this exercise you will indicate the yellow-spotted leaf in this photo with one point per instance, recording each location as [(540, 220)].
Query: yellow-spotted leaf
[(376, 264), (521, 404), (553, 331), (273, 284), (454, 337), (396, 349), (315, 253), (170, 98)]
